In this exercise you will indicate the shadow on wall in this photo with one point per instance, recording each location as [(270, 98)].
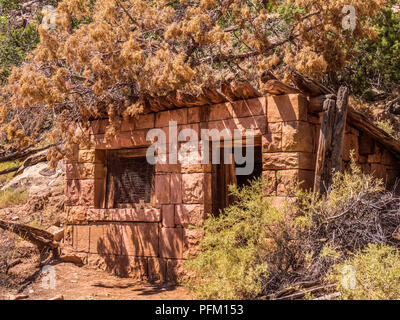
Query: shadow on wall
[(129, 250)]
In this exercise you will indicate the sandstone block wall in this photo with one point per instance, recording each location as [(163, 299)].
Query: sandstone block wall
[(152, 242)]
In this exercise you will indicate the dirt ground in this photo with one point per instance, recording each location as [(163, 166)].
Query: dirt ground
[(72, 282), (84, 283)]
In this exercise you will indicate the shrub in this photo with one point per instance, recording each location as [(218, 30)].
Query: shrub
[(10, 197), (376, 274), (232, 263), (254, 249)]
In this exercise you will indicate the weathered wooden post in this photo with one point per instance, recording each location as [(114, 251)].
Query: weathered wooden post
[(329, 154)]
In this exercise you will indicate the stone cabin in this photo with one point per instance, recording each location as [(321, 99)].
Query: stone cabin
[(132, 218)]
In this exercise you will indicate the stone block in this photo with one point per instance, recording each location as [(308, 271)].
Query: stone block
[(168, 215), (287, 179), (163, 189), (191, 242), (76, 214), (350, 142), (176, 188), (292, 107), (271, 142), (297, 136), (140, 239), (81, 238), (193, 188), (190, 214), (171, 243), (144, 121), (156, 269), (288, 160), (112, 244), (163, 118), (96, 238)]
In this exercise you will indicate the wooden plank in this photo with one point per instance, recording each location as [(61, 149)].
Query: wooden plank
[(361, 122), (227, 91), (276, 87), (323, 167), (243, 90), (339, 128), (132, 153), (316, 104), (111, 179), (213, 95), (308, 85)]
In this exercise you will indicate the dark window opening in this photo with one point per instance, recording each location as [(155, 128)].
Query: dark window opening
[(225, 175), (130, 180)]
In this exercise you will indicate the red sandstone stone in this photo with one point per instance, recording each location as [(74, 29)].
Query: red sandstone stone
[(144, 121), (156, 269), (274, 127), (290, 107), (350, 142), (193, 187), (366, 144), (287, 180), (249, 108), (140, 239), (189, 214), (163, 118), (191, 242), (76, 214), (171, 243), (288, 160), (81, 238), (112, 244), (72, 189), (271, 142), (297, 136), (163, 189), (168, 216), (176, 188), (96, 238)]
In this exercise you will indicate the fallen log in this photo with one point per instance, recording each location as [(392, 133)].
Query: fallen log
[(302, 294), (18, 155), (10, 170), (42, 239)]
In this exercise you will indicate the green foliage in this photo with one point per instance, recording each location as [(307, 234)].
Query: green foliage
[(388, 127), (232, 264), (255, 249), (377, 270), (11, 197), (16, 39), (6, 165), (377, 62)]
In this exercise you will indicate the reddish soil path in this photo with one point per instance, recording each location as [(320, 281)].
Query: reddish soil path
[(83, 283)]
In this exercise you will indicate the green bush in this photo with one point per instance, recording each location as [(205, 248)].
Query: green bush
[(374, 274), (253, 249), (377, 62), (232, 263)]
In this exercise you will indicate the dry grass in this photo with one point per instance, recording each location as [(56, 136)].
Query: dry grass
[(11, 197), (5, 178)]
